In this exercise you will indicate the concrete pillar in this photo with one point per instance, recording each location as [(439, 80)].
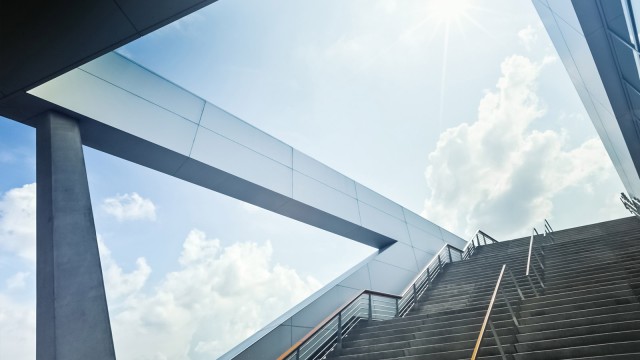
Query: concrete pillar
[(72, 318)]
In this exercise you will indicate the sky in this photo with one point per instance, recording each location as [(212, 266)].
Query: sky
[(462, 113)]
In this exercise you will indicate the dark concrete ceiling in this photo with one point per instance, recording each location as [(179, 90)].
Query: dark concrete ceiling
[(41, 39)]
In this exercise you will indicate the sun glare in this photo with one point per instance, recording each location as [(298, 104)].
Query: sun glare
[(448, 10)]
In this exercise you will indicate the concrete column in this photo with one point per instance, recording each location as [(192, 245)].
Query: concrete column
[(72, 317)]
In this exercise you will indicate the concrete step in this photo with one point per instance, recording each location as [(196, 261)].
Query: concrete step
[(588, 309), (556, 334), (579, 322), (432, 344), (608, 310), (589, 281), (440, 352), (349, 342), (573, 341), (583, 351), (572, 297)]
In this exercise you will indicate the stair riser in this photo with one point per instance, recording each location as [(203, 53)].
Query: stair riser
[(592, 278)]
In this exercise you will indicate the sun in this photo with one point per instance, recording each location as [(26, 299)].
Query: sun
[(446, 11)]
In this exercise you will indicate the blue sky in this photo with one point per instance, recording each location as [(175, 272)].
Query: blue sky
[(467, 117)]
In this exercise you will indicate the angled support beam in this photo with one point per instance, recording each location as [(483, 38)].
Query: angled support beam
[(135, 114), (72, 316)]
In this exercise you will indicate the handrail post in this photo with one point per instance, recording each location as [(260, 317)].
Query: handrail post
[(415, 294), (495, 335), (535, 291), (450, 259), (298, 354), (529, 256), (541, 248), (535, 272), (539, 262), (515, 282), (339, 332), (439, 262), (397, 307), (513, 314), (370, 308), (487, 317)]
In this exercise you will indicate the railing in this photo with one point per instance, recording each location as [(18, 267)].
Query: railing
[(477, 238), (547, 228), (487, 318), (421, 282), (633, 204), (533, 250), (371, 305)]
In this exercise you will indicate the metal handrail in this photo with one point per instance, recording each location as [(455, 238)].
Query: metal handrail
[(533, 249), (331, 334), (487, 318), (548, 233), (421, 281), (533, 233), (471, 246), (336, 314), (633, 204)]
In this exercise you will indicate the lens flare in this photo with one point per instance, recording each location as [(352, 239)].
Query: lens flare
[(449, 10)]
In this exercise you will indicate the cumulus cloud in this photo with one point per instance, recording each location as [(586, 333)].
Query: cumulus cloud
[(117, 282), (129, 207), (18, 222), (498, 170), (529, 36), (17, 281), (217, 298), (17, 329)]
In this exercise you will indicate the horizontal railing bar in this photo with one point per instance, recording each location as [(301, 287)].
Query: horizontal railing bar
[(382, 304), (324, 322), (424, 270), (328, 319)]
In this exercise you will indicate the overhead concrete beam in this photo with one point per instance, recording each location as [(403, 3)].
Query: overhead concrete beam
[(137, 115), (41, 39)]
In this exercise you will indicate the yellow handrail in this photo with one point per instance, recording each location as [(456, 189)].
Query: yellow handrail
[(476, 349)]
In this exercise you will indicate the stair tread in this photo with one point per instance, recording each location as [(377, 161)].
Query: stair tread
[(592, 278)]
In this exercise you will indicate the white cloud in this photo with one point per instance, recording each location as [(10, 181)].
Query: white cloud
[(130, 207), (529, 36), (17, 329), (498, 172), (18, 221), (117, 282), (17, 281), (218, 297)]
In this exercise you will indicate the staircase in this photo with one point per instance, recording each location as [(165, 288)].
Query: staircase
[(588, 308)]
